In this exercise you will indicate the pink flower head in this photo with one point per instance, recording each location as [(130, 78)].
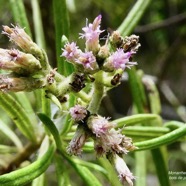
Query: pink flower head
[(91, 34), (88, 61), (78, 112), (119, 60), (99, 125), (71, 51)]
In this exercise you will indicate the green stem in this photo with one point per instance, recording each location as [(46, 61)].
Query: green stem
[(133, 17), (83, 95), (98, 91), (38, 28)]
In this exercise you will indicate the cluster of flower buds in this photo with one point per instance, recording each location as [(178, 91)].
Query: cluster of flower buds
[(20, 66), (115, 54), (107, 140), (111, 59)]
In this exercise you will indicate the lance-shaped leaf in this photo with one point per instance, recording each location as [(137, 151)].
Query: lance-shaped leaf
[(27, 174), (18, 115)]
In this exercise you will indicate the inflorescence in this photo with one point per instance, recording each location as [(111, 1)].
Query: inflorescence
[(99, 66)]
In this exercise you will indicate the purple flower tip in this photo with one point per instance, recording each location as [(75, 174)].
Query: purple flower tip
[(78, 112), (120, 59)]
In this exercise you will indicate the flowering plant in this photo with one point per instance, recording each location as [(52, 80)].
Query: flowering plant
[(70, 99)]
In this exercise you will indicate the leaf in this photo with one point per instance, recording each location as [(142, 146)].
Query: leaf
[(162, 140), (27, 174), (18, 115), (135, 119), (52, 128), (10, 134), (19, 14), (87, 176), (61, 21)]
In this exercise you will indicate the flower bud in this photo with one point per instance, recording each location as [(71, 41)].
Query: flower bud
[(21, 39), (131, 43), (78, 112), (107, 138), (91, 34), (71, 52), (77, 142), (118, 60), (14, 84), (18, 62), (116, 39), (123, 171), (99, 125), (88, 61)]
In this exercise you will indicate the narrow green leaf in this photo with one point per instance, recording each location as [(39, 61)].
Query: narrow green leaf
[(19, 14), (92, 166), (161, 167), (40, 40), (139, 98), (87, 176), (45, 103), (18, 115), (27, 174), (7, 149), (40, 180), (145, 131), (10, 134), (26, 104), (140, 169), (159, 153), (61, 171), (68, 121), (135, 119), (61, 21), (38, 26), (153, 94), (173, 124), (162, 140), (112, 175), (137, 90), (133, 17), (52, 128)]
